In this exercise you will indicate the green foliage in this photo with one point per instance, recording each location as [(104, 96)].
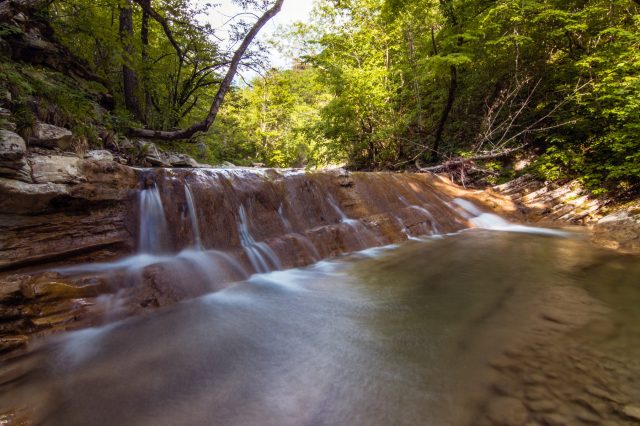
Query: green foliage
[(273, 121)]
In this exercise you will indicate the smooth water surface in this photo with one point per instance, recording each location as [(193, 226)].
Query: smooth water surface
[(404, 335)]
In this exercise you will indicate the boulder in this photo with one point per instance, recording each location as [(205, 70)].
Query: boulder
[(13, 163), (181, 160), (55, 169), (151, 154), (99, 155), (50, 136)]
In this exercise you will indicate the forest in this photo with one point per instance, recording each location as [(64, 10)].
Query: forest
[(484, 88)]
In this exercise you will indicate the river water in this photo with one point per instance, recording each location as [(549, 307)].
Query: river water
[(479, 327)]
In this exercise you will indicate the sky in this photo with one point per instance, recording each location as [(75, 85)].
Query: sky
[(292, 11)]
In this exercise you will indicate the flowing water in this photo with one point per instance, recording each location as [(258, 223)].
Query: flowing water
[(499, 325)]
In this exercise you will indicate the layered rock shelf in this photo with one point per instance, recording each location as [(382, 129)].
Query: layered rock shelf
[(77, 231)]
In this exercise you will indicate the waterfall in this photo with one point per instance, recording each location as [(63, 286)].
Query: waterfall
[(262, 258), (357, 227), (191, 205), (153, 222)]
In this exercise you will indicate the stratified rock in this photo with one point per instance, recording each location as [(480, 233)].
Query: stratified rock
[(10, 286), (27, 198), (85, 214), (505, 411), (13, 163), (632, 412), (55, 169), (555, 419), (50, 136), (5, 113), (50, 285)]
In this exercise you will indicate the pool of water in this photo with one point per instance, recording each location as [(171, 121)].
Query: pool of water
[(481, 327)]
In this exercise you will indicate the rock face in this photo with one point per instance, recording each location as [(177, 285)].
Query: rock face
[(236, 221), (73, 207), (50, 136), (13, 152), (616, 227)]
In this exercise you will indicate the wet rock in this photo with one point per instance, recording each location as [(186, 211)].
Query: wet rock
[(505, 411), (52, 286), (52, 137), (55, 169), (10, 286), (13, 163)]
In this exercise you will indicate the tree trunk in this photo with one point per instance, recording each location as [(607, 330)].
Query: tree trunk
[(205, 124), (453, 87), (144, 38), (129, 78)]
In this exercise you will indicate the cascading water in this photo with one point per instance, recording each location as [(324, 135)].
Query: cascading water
[(415, 333), (193, 216), (364, 237), (153, 222), (261, 256)]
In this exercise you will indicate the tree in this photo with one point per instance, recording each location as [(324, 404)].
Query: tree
[(216, 103)]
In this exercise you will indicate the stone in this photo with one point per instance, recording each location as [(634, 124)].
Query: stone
[(506, 411), (631, 411), (587, 417), (505, 386), (50, 285), (601, 393), (542, 406), (13, 163), (534, 379), (536, 393), (5, 113), (555, 419), (151, 154), (50, 136), (55, 169), (10, 286), (26, 198), (99, 155), (181, 160), (12, 146)]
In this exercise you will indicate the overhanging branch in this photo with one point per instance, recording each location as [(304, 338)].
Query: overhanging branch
[(205, 124)]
